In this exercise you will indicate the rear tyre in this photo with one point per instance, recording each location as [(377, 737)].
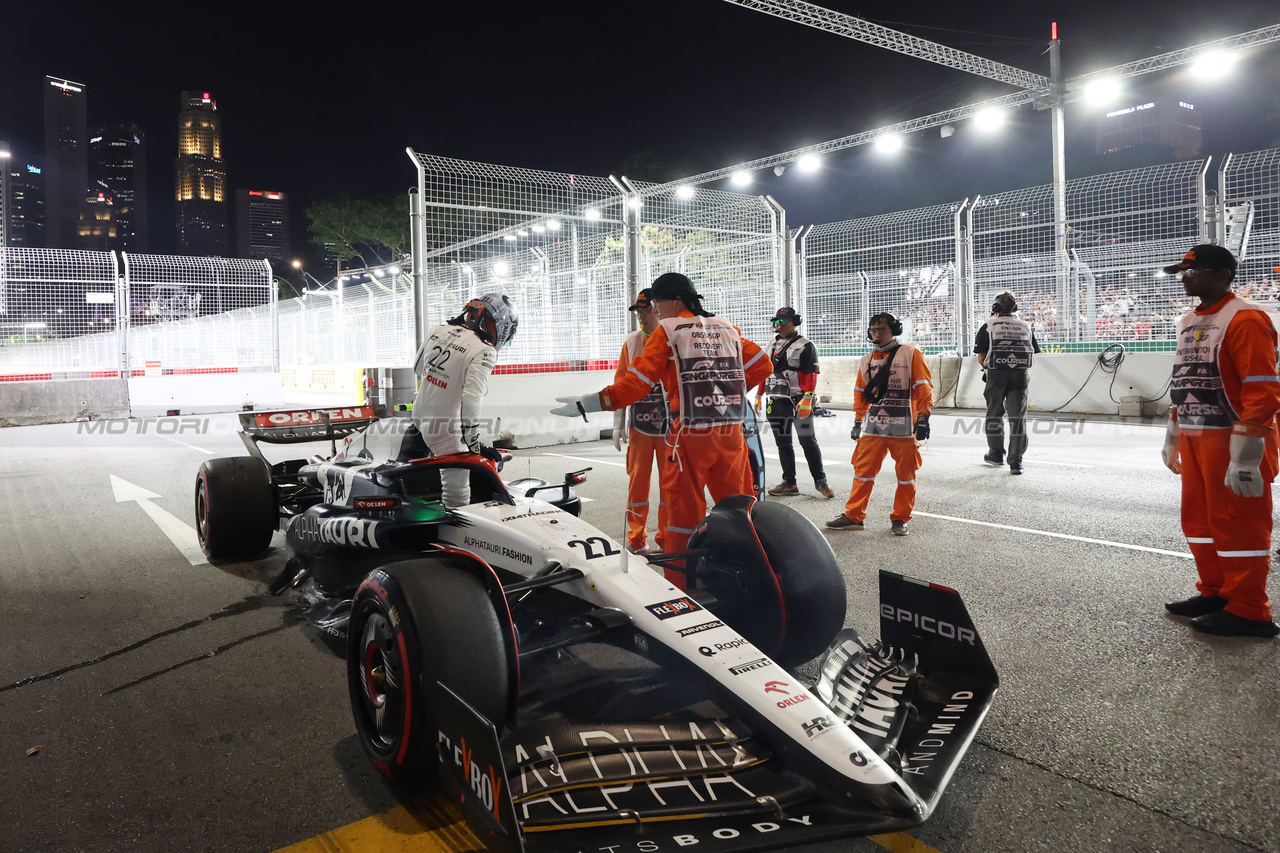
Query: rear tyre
[(774, 576), (413, 624), (235, 507)]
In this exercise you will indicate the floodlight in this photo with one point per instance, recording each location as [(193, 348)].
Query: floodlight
[(553, 224), (635, 204), (523, 233), (593, 213), (889, 143), (809, 163), (684, 191), (539, 229), (1102, 91), (741, 178), (501, 268), (778, 170), (946, 130), (511, 238), (989, 118), (1213, 65)]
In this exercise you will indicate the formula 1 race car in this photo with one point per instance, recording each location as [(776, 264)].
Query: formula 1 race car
[(577, 697)]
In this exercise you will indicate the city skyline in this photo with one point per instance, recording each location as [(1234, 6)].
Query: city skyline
[(703, 85)]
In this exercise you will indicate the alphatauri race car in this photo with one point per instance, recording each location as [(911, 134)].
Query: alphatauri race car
[(573, 697)]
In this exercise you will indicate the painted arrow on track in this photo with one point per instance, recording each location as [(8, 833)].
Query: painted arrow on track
[(181, 534)]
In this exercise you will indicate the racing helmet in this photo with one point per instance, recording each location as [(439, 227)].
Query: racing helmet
[(492, 317)]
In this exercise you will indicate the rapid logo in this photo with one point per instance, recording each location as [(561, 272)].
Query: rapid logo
[(675, 607), (356, 532), (721, 647)]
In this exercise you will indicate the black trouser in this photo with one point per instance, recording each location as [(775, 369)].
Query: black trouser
[(782, 414), (1006, 394)]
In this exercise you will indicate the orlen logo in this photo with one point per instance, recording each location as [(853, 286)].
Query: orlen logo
[(780, 687)]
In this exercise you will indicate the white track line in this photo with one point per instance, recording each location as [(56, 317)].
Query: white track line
[(1126, 545), (184, 444), (587, 459)]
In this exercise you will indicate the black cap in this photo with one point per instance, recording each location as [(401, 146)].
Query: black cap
[(786, 315), (1206, 256), (644, 301), (673, 285)]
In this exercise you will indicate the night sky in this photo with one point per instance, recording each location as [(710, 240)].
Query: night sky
[(321, 98)]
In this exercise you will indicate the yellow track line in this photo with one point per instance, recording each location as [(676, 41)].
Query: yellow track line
[(900, 842), (434, 826), (428, 826)]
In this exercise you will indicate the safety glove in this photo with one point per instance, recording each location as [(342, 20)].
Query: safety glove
[(856, 432), (1244, 474), (922, 427), (805, 407), (1169, 453), (575, 406), (493, 454), (619, 429)]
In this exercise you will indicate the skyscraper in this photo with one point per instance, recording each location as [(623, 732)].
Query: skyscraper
[(262, 226), (66, 170), (201, 178), (25, 204), (118, 187)]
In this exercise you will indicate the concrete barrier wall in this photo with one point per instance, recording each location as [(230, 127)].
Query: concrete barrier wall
[(957, 382), (202, 394), (53, 402)]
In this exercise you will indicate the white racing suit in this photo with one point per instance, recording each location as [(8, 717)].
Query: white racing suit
[(453, 367)]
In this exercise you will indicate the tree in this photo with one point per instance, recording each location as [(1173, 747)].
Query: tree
[(374, 228)]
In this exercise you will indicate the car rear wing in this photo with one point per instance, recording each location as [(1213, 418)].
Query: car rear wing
[(293, 426)]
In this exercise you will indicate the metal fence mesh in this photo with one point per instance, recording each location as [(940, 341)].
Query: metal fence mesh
[(939, 268), (1254, 178), (903, 263), (728, 244), (558, 244)]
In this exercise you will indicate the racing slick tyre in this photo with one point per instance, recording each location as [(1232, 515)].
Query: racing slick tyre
[(774, 577), (413, 624), (235, 507)]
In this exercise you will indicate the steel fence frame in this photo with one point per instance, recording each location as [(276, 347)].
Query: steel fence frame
[(1103, 286)]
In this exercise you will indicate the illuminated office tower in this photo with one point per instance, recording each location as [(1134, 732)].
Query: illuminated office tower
[(262, 226), (117, 217), (24, 205), (66, 171), (201, 179)]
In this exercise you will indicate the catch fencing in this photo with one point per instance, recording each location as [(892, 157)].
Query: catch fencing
[(939, 268), (571, 250), (76, 314)]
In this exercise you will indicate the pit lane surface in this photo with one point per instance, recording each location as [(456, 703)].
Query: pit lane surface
[(176, 706)]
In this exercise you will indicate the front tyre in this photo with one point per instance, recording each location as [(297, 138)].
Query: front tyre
[(413, 624), (235, 507), (774, 577)]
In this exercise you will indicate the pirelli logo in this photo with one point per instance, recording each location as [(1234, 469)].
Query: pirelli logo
[(758, 663)]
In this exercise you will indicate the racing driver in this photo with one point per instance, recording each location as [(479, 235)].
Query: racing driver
[(454, 364)]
